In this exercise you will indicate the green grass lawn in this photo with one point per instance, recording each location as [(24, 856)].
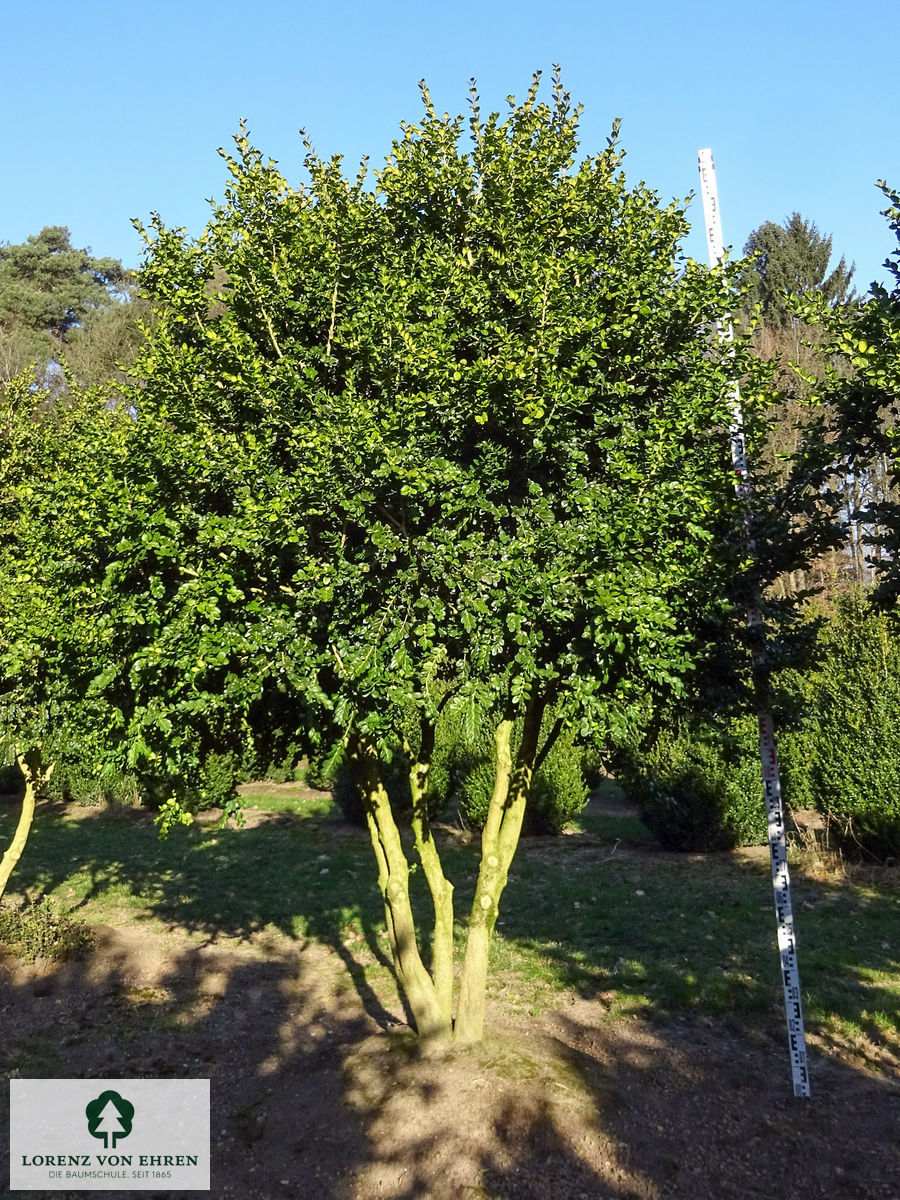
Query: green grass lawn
[(598, 911)]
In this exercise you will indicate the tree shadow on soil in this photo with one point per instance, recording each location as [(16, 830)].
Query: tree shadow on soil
[(696, 934), (310, 1099), (267, 1032), (703, 1109), (600, 923), (305, 878), (310, 1086)]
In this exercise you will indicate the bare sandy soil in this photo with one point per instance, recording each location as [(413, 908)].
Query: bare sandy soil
[(317, 1091)]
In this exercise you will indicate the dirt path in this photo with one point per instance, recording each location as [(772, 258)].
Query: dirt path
[(318, 1094)]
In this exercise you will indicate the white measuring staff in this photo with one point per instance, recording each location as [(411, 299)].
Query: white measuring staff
[(781, 881)]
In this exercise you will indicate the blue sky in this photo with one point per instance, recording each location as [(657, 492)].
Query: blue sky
[(113, 110)]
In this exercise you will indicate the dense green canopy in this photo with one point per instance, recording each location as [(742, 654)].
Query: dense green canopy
[(460, 438)]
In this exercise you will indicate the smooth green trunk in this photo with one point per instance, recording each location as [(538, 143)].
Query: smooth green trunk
[(498, 845), (432, 1022), (439, 885)]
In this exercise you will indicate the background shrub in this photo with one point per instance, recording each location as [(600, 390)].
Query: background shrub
[(11, 781), (281, 770), (322, 767), (76, 781), (40, 931), (76, 774), (395, 774), (462, 768), (844, 757), (699, 787), (558, 791)]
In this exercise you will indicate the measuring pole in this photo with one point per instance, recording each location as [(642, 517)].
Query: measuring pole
[(781, 880)]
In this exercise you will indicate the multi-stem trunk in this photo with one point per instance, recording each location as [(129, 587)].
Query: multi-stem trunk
[(439, 885), (498, 845), (431, 1018), (35, 777), (430, 996)]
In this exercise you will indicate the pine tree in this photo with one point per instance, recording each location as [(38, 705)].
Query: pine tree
[(789, 260), (793, 258), (49, 289)]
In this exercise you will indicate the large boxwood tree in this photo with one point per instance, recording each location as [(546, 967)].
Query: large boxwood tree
[(457, 438)]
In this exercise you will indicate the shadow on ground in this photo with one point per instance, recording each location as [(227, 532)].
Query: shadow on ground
[(677, 933), (311, 1099), (245, 955)]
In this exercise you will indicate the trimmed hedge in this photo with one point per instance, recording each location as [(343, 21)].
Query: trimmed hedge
[(699, 787), (844, 757)]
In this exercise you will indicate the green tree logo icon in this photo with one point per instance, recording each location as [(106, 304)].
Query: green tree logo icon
[(109, 1116)]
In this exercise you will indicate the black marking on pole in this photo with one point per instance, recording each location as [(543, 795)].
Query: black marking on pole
[(768, 753)]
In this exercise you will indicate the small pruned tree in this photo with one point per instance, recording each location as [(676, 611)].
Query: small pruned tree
[(460, 440)]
